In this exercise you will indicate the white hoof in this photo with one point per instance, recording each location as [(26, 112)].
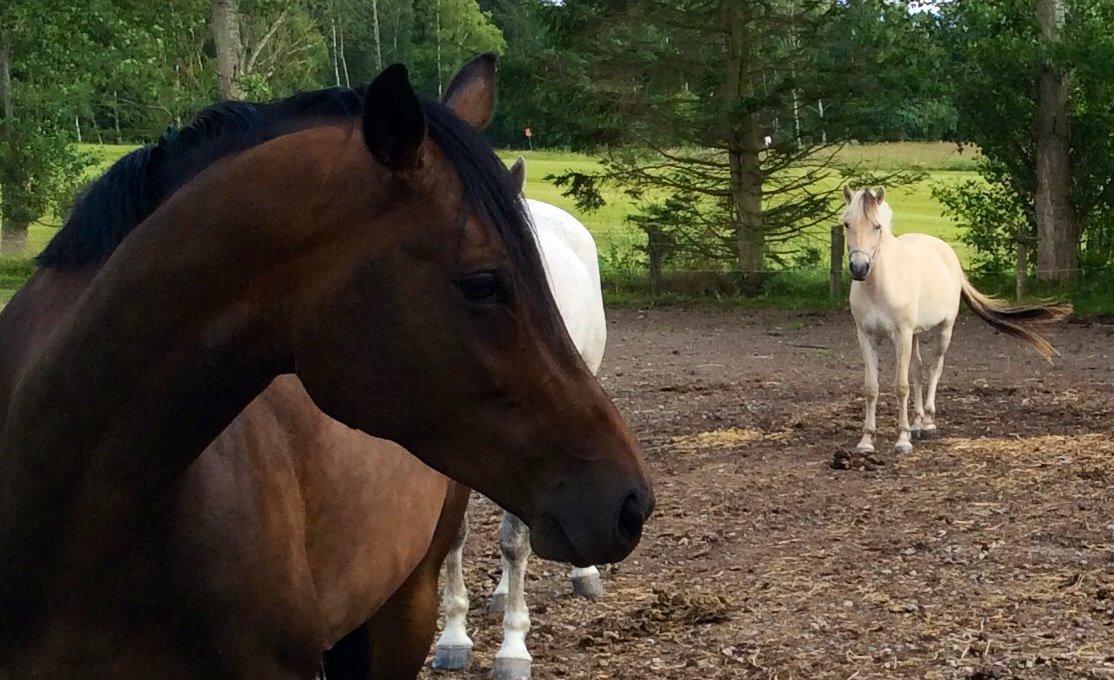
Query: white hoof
[(903, 447), (452, 658), (510, 669), (497, 604), (864, 448), (589, 587)]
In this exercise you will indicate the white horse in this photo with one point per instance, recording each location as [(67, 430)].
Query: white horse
[(906, 291), (571, 265)]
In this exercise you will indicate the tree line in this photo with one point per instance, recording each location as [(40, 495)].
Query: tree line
[(720, 118)]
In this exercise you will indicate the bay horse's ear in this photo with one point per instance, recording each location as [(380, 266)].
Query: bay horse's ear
[(393, 122), (518, 174), (471, 95), (847, 194)]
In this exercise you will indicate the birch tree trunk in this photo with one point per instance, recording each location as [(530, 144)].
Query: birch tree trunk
[(229, 47), (1058, 227), (375, 28), (13, 223)]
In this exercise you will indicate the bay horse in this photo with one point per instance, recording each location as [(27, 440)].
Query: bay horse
[(906, 290), (373, 247), (572, 269)]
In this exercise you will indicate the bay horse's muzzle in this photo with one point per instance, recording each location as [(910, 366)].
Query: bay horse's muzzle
[(586, 533)]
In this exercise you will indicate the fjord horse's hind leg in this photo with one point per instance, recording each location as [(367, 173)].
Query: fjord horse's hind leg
[(916, 377), (942, 338), (402, 630), (903, 350)]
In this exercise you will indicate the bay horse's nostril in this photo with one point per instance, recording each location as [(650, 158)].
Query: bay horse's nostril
[(631, 516)]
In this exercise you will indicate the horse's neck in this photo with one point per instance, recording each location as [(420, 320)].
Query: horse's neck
[(886, 270), (161, 352)]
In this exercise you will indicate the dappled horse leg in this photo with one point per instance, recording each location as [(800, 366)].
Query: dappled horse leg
[(903, 348), (943, 338), (916, 377), (870, 391), (586, 582), (454, 647), (512, 661)]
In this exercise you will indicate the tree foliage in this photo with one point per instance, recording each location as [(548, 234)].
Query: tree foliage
[(995, 55)]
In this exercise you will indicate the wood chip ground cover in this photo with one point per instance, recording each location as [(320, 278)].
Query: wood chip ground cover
[(986, 553)]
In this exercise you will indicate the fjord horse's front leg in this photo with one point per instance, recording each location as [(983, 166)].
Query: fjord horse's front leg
[(870, 392), (903, 349)]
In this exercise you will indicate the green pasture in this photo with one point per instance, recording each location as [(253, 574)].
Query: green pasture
[(915, 209)]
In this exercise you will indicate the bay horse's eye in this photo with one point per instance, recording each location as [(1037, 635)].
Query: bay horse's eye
[(485, 287)]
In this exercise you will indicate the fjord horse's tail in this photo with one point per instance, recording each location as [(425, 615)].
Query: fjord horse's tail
[(1004, 317), (350, 657)]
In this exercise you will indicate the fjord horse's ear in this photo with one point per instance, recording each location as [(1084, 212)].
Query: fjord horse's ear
[(880, 193), (847, 194), (393, 123), (471, 95), (518, 174)]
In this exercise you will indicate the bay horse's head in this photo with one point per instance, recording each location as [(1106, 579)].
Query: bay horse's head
[(433, 325)]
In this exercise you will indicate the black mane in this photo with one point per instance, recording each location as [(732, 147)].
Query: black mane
[(129, 191)]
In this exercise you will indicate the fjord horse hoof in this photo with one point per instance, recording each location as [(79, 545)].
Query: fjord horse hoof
[(589, 587), (497, 605), (510, 669), (864, 448), (903, 448), (452, 658), (929, 433)]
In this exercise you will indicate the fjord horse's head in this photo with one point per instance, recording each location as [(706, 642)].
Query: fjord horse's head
[(432, 324)]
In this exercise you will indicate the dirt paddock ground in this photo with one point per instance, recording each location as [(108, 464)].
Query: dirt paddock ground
[(987, 553)]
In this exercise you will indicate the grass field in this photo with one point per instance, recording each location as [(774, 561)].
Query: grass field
[(616, 238), (914, 207)]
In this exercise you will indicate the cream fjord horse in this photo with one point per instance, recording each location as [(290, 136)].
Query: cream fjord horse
[(569, 255), (906, 290)]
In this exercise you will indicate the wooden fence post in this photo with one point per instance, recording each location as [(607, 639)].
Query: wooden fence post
[(835, 273)]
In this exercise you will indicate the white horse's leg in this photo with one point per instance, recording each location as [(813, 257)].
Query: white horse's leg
[(903, 346), (498, 602), (586, 582), (454, 647), (512, 661), (916, 376), (870, 361), (943, 339)]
